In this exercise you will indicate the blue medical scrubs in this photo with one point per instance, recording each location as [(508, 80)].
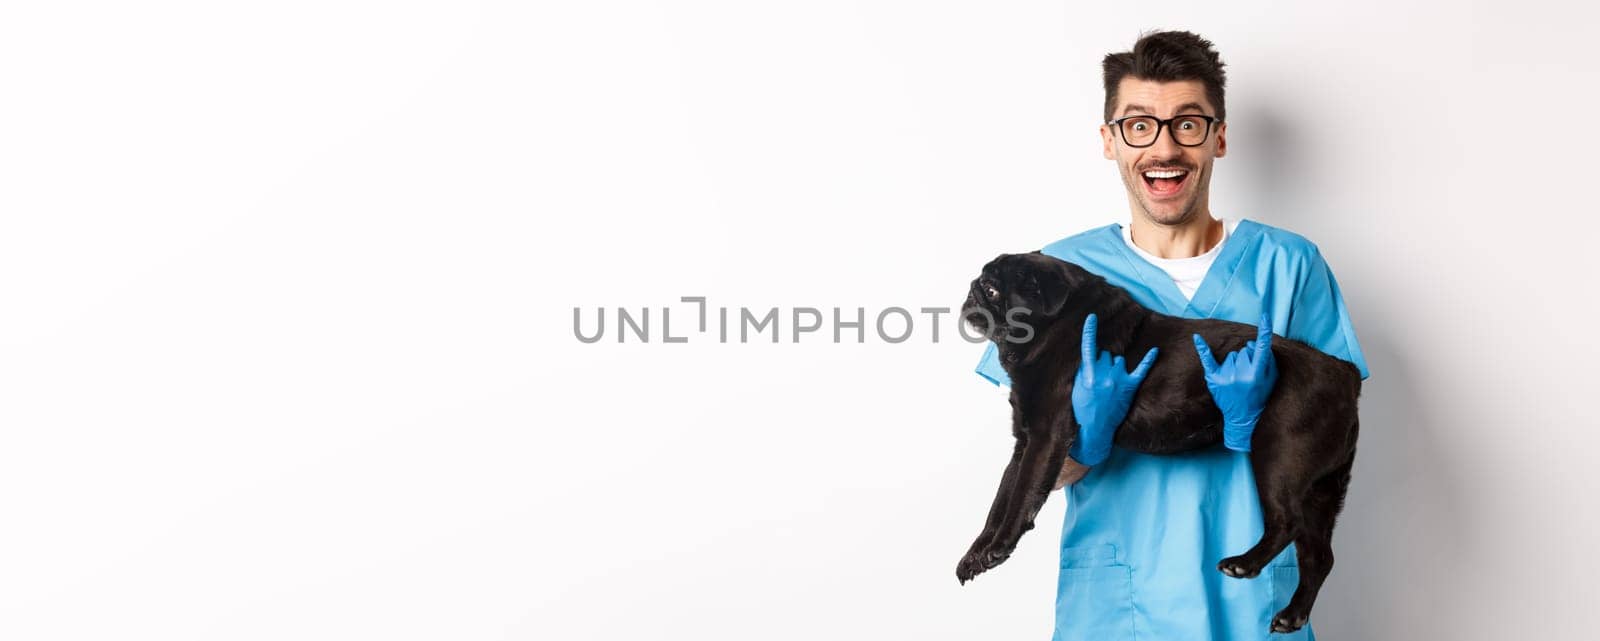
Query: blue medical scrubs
[(1144, 533)]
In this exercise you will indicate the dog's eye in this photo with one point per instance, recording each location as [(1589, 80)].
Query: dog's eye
[(991, 292)]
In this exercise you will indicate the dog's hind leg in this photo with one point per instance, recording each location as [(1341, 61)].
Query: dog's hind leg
[(1314, 546), (1282, 487)]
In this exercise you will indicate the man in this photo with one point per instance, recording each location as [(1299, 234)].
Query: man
[(1143, 533)]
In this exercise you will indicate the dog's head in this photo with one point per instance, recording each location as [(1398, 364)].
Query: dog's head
[(1016, 290)]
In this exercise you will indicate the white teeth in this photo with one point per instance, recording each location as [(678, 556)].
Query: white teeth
[(1163, 174)]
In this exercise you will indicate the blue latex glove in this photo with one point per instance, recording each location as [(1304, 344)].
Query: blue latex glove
[(1101, 394), (1241, 384)]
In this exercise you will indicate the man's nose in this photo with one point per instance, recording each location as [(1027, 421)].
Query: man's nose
[(1165, 148)]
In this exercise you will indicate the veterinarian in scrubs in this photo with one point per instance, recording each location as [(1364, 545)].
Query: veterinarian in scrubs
[(1143, 533)]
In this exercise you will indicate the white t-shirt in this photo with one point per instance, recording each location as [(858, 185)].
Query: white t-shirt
[(1186, 273)]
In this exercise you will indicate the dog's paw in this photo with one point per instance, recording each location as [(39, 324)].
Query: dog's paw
[(978, 562), (1239, 567), (966, 570), (1287, 622)]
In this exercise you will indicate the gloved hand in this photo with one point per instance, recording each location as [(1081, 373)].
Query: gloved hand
[(1241, 384), (1101, 394)]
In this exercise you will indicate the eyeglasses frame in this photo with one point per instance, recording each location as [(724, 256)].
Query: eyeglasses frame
[(1211, 122)]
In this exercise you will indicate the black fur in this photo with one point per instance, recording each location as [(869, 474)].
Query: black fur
[(1302, 449)]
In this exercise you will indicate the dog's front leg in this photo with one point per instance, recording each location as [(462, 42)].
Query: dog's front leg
[(970, 565), (1043, 450), (1036, 474)]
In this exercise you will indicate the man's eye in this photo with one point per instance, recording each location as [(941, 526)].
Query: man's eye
[(1139, 126), (1187, 125)]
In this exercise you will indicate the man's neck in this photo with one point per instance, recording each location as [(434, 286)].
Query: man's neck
[(1186, 240)]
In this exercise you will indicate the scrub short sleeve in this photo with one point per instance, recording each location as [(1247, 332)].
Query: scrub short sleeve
[(1319, 317), (989, 367)]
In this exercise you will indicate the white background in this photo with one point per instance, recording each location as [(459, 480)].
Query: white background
[(286, 298)]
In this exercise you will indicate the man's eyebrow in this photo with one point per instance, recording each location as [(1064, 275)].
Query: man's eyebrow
[(1188, 106)]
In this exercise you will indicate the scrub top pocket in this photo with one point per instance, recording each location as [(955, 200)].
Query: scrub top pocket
[(1094, 597)]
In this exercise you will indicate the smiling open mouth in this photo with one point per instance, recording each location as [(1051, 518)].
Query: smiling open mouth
[(1164, 182)]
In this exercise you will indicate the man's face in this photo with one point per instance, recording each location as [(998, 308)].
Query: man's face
[(1166, 201)]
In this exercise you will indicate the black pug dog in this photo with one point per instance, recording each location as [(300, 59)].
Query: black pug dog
[(1302, 449)]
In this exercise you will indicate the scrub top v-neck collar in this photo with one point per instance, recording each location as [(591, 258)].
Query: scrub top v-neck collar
[(1212, 288)]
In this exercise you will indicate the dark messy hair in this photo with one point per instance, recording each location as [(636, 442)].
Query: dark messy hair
[(1166, 56)]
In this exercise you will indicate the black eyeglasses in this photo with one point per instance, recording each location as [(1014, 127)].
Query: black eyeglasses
[(1188, 130)]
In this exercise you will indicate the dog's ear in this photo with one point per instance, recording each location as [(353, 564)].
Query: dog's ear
[(1048, 288)]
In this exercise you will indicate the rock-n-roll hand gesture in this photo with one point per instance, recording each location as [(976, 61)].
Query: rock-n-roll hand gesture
[(1101, 394), (1241, 384)]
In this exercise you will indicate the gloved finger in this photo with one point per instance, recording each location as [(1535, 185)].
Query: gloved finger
[(1207, 361), (1144, 365), (1090, 325), (1264, 333), (1118, 363)]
